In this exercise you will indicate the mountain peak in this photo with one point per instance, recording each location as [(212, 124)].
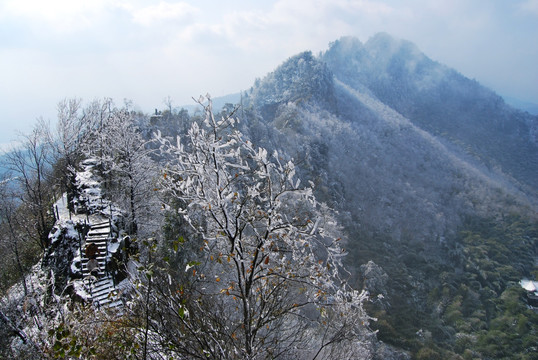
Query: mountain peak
[(383, 48), (379, 46), (346, 44), (382, 40), (439, 100), (301, 78)]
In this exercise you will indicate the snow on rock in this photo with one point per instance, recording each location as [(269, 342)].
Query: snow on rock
[(80, 290), (113, 247), (375, 278), (76, 264)]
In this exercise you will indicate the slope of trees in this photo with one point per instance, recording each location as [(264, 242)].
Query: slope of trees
[(403, 194), (27, 193)]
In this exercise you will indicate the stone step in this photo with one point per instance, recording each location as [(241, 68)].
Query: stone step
[(100, 228), (97, 240), (98, 243), (101, 266), (103, 282), (115, 304), (101, 247), (107, 303), (98, 236), (103, 221), (94, 235), (100, 274), (101, 296), (100, 263), (100, 271), (102, 293), (98, 258)]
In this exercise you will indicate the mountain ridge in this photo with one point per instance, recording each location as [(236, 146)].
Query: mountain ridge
[(441, 101), (338, 108)]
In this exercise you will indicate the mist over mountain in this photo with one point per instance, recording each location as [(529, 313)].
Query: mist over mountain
[(441, 101), (530, 107)]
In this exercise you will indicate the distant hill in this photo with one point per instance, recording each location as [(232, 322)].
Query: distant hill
[(531, 108), (218, 103), (3, 170)]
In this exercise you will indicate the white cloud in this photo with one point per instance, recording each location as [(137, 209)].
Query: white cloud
[(163, 11), (287, 27), (59, 15)]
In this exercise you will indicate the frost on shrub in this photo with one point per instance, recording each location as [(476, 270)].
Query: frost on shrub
[(269, 277)]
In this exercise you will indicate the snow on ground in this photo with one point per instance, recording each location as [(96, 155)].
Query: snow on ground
[(63, 214), (113, 247), (76, 259), (80, 290), (530, 285), (31, 305)]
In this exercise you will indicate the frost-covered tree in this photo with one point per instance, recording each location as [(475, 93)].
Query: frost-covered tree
[(68, 141), (131, 167), (12, 239), (266, 281), (123, 158), (30, 166)]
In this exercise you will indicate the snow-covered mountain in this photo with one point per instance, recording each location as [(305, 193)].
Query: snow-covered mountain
[(404, 145), (441, 101), (415, 157)]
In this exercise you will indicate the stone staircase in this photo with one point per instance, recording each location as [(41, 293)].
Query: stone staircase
[(101, 288)]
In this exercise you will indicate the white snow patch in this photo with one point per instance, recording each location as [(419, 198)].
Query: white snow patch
[(113, 247), (81, 291), (529, 285), (74, 268)]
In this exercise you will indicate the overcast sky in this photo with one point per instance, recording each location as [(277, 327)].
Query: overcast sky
[(146, 50)]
